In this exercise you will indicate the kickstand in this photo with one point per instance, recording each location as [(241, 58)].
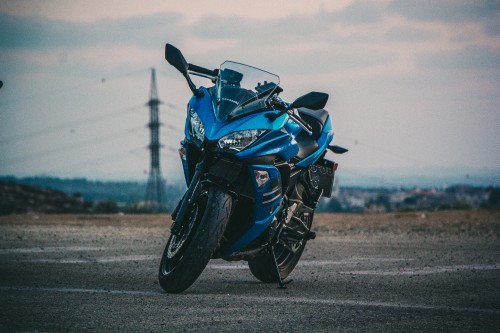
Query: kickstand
[(281, 283)]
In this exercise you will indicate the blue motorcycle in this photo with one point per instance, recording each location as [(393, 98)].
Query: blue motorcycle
[(255, 168)]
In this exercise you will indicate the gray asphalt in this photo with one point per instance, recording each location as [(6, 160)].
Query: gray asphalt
[(103, 277)]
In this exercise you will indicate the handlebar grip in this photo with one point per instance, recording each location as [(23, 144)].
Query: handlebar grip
[(202, 70)]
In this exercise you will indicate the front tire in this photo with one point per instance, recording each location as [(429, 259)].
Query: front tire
[(187, 254)]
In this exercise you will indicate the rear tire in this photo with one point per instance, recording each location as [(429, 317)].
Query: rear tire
[(263, 267), (187, 254)]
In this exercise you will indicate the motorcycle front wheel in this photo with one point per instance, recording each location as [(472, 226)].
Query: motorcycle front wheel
[(187, 254)]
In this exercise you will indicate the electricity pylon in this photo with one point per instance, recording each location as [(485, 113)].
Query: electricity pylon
[(155, 192)]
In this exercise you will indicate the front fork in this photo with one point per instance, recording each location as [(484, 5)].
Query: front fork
[(179, 215)]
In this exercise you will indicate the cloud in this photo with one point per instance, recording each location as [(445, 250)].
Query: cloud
[(492, 26), (291, 27), (18, 32), (408, 34), (298, 43), (472, 57), (41, 33), (258, 31), (360, 12), (446, 10), (402, 75)]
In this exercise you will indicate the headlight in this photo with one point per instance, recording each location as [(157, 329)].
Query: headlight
[(240, 140), (196, 129)]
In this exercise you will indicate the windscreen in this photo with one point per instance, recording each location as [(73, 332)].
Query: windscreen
[(238, 87)]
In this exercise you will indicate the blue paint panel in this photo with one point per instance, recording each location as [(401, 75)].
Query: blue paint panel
[(255, 231), (292, 127), (279, 140), (273, 143), (215, 129), (263, 213)]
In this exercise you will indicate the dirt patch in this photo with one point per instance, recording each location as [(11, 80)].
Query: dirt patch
[(112, 220), (472, 223)]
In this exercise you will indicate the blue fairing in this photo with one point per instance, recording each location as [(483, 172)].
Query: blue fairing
[(204, 109), (267, 203), (278, 141), (215, 129)]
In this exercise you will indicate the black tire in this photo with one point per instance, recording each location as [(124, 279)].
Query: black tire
[(263, 266), (187, 254)]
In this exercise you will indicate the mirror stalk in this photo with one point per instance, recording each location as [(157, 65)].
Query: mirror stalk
[(197, 92), (291, 114), (300, 122), (175, 58)]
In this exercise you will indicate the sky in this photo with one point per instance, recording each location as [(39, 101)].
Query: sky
[(414, 85)]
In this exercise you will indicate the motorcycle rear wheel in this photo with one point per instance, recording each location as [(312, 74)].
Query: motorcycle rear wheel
[(263, 266), (187, 254)]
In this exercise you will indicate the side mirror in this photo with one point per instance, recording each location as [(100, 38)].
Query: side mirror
[(175, 58), (313, 100)]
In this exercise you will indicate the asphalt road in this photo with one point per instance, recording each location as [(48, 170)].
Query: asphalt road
[(78, 273)]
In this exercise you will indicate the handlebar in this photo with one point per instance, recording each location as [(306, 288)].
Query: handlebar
[(277, 103), (202, 70)]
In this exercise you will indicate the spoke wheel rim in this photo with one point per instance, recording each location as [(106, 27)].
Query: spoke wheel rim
[(282, 250)]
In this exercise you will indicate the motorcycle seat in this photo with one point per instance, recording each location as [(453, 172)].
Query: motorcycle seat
[(308, 144), (315, 118)]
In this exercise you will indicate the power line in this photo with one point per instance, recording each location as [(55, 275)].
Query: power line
[(110, 136), (109, 158), (80, 122), (52, 92), (99, 160)]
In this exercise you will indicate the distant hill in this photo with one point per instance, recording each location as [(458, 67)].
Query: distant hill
[(48, 194), (18, 198), (418, 177), (120, 192)]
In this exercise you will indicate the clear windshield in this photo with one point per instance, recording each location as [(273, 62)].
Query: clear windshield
[(241, 89)]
